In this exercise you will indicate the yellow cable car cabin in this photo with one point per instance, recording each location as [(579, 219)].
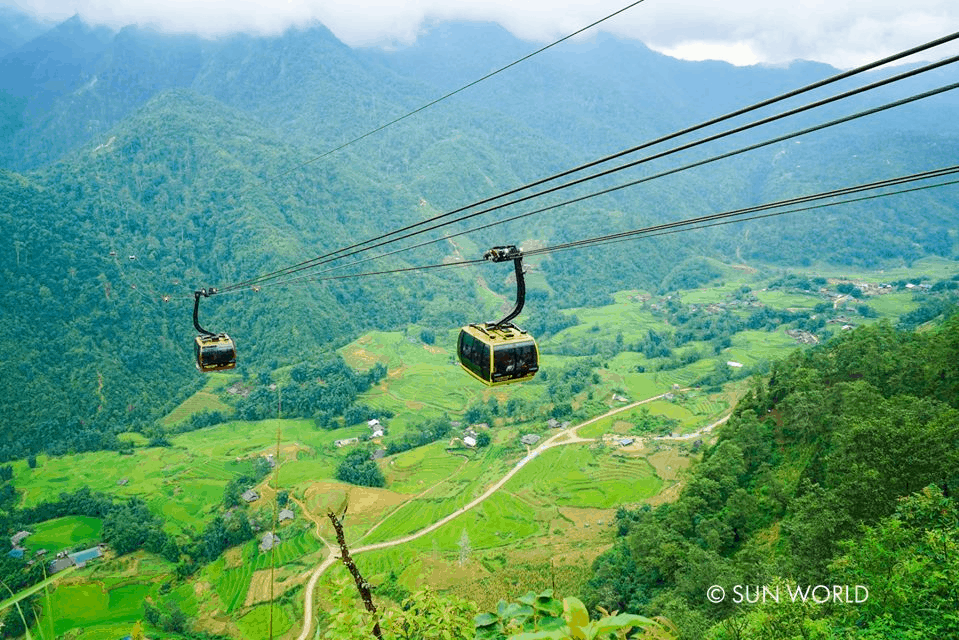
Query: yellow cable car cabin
[(497, 353), (214, 352), (515, 356)]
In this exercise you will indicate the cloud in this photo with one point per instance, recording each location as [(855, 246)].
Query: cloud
[(842, 33)]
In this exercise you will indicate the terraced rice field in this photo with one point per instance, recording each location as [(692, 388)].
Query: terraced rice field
[(232, 584), (580, 476)]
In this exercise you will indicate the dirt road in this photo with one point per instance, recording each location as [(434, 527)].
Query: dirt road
[(566, 436)]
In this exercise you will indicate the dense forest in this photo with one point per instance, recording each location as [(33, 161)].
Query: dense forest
[(840, 469)]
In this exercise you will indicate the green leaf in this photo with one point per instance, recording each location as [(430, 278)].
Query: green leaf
[(550, 623), (485, 619), (518, 612), (621, 621), (576, 615), (556, 634), (549, 606)]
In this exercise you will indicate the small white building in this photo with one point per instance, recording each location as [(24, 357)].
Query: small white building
[(734, 364), (469, 441)]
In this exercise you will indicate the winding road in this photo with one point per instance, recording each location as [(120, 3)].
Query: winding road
[(566, 436)]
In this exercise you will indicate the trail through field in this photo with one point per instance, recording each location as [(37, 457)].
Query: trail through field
[(416, 497), (563, 437), (695, 434)]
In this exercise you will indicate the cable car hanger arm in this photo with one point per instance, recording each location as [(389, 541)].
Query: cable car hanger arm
[(503, 254), (206, 293)]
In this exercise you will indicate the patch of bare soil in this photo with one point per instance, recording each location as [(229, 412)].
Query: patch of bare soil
[(233, 557)]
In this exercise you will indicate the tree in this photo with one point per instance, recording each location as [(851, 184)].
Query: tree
[(357, 468), (483, 439), (465, 548)]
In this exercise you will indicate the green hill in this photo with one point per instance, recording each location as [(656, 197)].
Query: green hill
[(841, 470)]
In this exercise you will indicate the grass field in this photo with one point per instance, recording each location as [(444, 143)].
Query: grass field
[(582, 476), (232, 583), (64, 533), (207, 399), (106, 599)]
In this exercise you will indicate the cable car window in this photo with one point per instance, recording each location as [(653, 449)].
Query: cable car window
[(513, 361), (483, 359), (474, 355), (221, 353)]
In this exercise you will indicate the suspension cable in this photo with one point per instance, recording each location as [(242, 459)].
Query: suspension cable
[(333, 255), (639, 181), (689, 224)]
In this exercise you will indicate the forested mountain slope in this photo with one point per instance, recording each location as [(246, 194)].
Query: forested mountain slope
[(192, 155), (842, 469), (108, 245)]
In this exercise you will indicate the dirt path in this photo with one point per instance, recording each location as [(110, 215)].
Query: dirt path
[(566, 436), (416, 497), (695, 434)]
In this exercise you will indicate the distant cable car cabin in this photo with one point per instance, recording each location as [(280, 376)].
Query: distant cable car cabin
[(214, 351), (498, 353)]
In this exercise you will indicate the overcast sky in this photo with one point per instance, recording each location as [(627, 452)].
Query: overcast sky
[(843, 33)]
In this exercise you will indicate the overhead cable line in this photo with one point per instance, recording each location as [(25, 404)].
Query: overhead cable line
[(661, 174), (764, 215), (688, 224), (693, 222), (355, 248), (452, 93)]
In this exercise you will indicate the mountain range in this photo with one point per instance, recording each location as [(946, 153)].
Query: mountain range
[(138, 166)]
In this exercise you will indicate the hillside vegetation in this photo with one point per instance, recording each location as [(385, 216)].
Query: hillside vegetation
[(841, 469)]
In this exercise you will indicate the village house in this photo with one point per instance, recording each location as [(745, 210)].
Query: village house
[(269, 541), (345, 442), (250, 495), (625, 442), (286, 514), (552, 423), (18, 537), (529, 439), (469, 441), (60, 564), (81, 558)]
